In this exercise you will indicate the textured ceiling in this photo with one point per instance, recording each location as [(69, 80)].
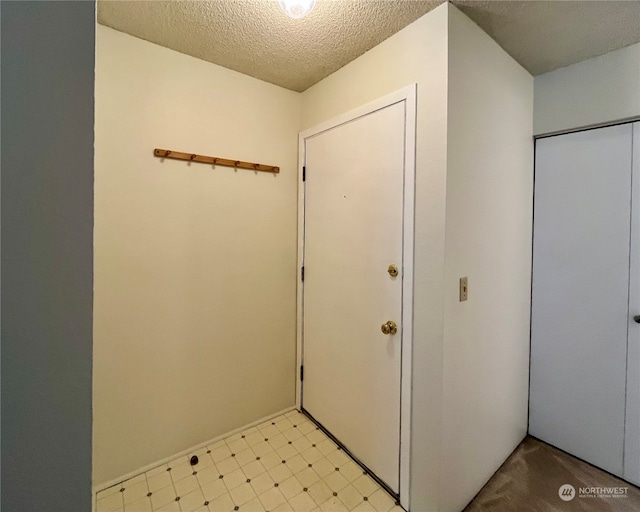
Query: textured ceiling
[(544, 35), (256, 38)]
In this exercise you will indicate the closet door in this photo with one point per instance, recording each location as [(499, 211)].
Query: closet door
[(632, 428), (580, 294)]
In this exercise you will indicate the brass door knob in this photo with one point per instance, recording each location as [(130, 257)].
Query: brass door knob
[(393, 270), (389, 328)]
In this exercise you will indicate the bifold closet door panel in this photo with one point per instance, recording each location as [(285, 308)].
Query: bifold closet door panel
[(580, 293), (632, 429)]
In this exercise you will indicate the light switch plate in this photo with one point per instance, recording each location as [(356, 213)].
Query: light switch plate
[(464, 289)]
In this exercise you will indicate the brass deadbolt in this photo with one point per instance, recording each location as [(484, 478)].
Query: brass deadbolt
[(393, 270), (389, 328)]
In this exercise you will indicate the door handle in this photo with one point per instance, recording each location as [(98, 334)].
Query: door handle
[(389, 328), (636, 319)]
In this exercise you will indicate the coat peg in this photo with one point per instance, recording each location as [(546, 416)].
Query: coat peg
[(194, 157)]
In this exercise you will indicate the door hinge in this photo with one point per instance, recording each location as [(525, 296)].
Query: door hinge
[(304, 173), (302, 373), (302, 273)]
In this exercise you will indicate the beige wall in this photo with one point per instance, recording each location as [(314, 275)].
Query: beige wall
[(195, 268), (601, 90), (416, 54), (488, 239)]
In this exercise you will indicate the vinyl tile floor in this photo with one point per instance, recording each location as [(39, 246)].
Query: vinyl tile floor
[(531, 478), (283, 465)]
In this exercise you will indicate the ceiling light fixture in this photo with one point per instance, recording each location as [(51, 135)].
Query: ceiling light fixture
[(297, 8)]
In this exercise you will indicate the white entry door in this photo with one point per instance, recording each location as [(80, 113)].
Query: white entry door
[(353, 233), (585, 343)]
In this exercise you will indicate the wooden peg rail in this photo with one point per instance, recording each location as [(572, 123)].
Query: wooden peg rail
[(192, 157)]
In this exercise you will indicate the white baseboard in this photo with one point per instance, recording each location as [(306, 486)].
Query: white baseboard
[(116, 481)]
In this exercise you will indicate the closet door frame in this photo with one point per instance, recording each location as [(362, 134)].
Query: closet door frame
[(631, 448)]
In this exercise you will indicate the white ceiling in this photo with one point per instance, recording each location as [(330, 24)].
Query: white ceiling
[(256, 38)]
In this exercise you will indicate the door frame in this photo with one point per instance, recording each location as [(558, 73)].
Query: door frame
[(408, 95)]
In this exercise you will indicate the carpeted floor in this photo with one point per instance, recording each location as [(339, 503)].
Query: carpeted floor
[(530, 479)]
